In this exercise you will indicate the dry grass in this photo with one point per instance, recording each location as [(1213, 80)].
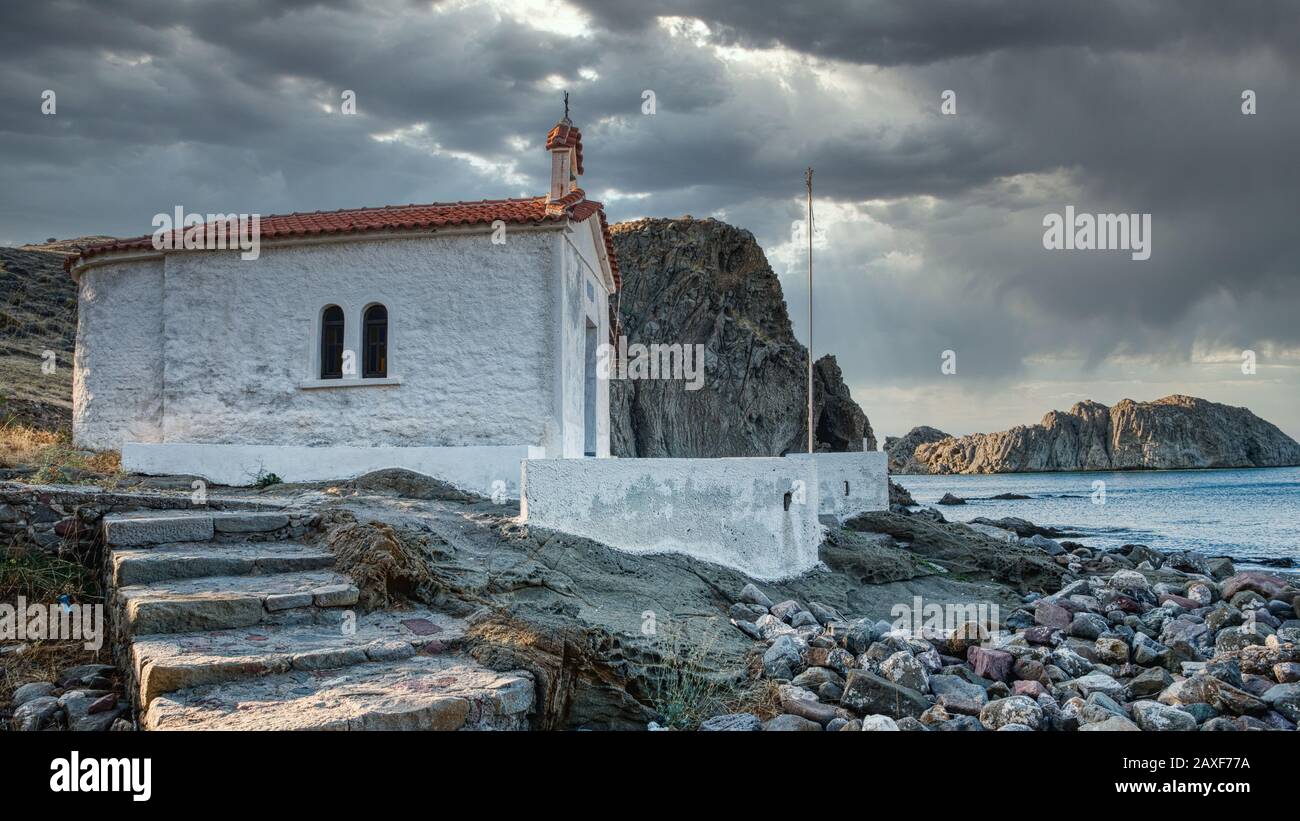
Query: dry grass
[(43, 661), (41, 577), (760, 696), (387, 566), (683, 690), (52, 454)]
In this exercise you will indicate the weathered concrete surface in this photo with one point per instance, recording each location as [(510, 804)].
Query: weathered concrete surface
[(488, 470), (117, 388), (247, 521), (127, 530), (418, 693), (237, 360), (850, 482), (757, 515), (216, 602), (165, 663), (193, 560)]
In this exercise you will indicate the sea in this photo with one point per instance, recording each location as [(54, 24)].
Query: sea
[(1251, 515)]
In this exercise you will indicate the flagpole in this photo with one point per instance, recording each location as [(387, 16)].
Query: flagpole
[(808, 177)]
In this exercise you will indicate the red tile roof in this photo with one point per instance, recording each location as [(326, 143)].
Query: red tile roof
[(573, 206), (566, 135)]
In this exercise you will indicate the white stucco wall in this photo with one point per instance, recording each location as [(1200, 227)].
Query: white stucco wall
[(850, 483), (471, 343), (727, 511), (575, 306), (118, 363), (489, 470), (468, 340), (486, 344)]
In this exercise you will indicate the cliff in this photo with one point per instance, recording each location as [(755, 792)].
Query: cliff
[(701, 281), (1176, 432), (38, 313)]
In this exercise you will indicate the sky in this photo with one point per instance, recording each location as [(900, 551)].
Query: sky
[(929, 222)]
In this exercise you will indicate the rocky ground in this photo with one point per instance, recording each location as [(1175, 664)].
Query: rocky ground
[(1132, 640), (88, 697), (1079, 639)]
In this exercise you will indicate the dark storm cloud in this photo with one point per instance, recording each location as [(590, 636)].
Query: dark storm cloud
[(1107, 106), (912, 32)]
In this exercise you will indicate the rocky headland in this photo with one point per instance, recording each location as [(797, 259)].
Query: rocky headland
[(703, 282), (1174, 433)]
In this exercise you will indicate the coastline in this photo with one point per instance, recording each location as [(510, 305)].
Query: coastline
[(1251, 515)]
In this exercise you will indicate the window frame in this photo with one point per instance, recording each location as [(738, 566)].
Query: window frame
[(367, 322), (327, 325)]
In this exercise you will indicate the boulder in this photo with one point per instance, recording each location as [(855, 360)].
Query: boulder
[(800, 702), (868, 694), (783, 659), (1114, 724), (1268, 585), (787, 723), (903, 668), (1012, 710), (1153, 716), (750, 594), (878, 723), (994, 665), (1285, 699), (35, 689), (957, 695)]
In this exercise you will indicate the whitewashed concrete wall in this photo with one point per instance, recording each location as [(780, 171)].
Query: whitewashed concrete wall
[(574, 307), (491, 471), (470, 344), (468, 340), (728, 511), (850, 483), (118, 364)]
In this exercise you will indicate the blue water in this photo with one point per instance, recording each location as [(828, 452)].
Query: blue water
[(1250, 515)]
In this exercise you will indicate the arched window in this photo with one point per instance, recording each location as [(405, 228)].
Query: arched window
[(331, 343), (375, 341)]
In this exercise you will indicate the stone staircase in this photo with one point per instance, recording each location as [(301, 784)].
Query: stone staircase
[(223, 620)]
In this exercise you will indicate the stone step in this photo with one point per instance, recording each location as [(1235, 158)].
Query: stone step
[(222, 602), (190, 560), (156, 527), (165, 663), (418, 693), (150, 527)]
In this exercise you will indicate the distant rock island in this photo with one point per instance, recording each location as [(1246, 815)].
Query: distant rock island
[(1174, 433)]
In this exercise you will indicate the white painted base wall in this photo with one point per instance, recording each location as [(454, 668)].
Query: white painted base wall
[(730, 512), (482, 469), (850, 483)]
